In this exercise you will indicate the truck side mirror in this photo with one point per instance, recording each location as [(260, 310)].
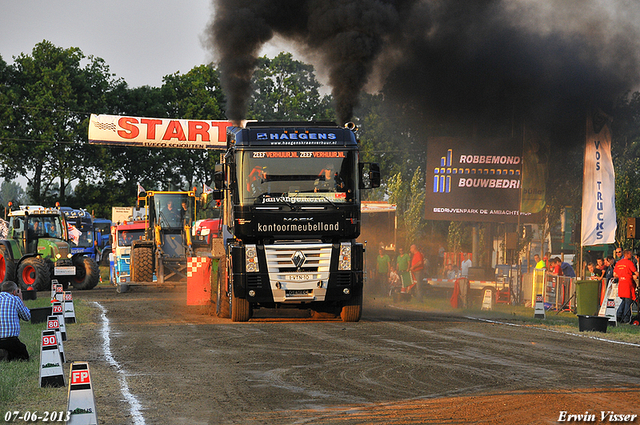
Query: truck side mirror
[(369, 175), (218, 177)]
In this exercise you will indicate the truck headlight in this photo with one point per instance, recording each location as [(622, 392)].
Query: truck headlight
[(251, 258), (344, 262)]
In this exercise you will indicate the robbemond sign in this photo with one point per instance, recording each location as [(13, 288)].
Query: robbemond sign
[(474, 180)]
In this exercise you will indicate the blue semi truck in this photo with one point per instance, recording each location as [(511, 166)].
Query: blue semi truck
[(88, 236)]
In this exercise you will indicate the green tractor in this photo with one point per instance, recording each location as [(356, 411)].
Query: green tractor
[(36, 250)]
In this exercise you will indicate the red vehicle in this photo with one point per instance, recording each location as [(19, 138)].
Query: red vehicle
[(122, 237), (208, 228)]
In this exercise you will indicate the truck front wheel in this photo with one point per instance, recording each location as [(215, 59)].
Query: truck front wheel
[(7, 266), (141, 264), (33, 271), (87, 273), (222, 299), (240, 308), (352, 309)]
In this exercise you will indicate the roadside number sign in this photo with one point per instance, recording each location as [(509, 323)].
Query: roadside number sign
[(49, 341)]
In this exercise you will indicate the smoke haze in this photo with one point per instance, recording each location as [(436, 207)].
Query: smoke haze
[(465, 58)]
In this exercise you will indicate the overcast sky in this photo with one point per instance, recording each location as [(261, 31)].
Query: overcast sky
[(140, 40)]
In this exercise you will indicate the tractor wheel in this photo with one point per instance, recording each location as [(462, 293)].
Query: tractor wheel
[(240, 307), (7, 266), (352, 309), (87, 273), (33, 271), (141, 264), (222, 300)]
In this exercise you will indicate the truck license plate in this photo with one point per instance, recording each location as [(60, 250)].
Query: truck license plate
[(297, 292), (65, 271), (301, 277)]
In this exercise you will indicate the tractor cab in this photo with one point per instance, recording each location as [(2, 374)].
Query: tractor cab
[(38, 230)]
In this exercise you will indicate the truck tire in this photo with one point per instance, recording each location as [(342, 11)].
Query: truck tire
[(87, 273), (33, 271), (222, 298), (141, 264), (7, 266), (352, 309), (240, 307)]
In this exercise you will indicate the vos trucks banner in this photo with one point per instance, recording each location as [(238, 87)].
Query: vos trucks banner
[(158, 132), (474, 180), (598, 188)]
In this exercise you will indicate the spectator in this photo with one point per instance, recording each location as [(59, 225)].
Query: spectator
[(540, 264), (547, 259), (403, 265), (617, 255), (563, 268), (626, 273), (464, 266), (440, 258), (452, 273), (554, 267), (12, 309), (417, 269), (608, 273), (382, 269), (600, 267), (592, 273)]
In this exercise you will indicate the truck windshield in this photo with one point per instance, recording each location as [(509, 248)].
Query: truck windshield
[(174, 209), (296, 176), (126, 237), (83, 239)]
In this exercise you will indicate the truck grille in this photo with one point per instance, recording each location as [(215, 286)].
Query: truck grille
[(314, 260)]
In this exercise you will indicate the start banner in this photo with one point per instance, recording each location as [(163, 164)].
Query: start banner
[(158, 132)]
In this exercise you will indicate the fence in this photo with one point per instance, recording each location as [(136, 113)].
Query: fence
[(558, 292)]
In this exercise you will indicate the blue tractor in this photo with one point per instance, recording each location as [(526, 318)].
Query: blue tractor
[(88, 236)]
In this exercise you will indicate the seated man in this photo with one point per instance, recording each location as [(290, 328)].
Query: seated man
[(328, 180), (169, 215), (12, 309)]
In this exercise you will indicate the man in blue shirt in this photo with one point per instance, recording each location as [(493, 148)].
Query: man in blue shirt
[(566, 268), (12, 309)]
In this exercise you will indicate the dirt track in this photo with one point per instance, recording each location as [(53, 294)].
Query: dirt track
[(394, 366)]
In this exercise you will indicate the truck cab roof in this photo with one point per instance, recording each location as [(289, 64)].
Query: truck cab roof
[(289, 134)]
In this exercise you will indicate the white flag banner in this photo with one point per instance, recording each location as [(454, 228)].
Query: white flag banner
[(598, 188)]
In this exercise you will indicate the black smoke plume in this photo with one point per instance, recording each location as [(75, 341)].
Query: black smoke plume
[(467, 59), (347, 35)]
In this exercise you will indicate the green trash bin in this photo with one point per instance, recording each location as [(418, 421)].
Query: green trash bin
[(587, 297)]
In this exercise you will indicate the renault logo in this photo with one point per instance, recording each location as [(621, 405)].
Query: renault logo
[(298, 259)]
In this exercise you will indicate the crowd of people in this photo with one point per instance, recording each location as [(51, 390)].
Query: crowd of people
[(405, 271), (621, 266), (408, 270)]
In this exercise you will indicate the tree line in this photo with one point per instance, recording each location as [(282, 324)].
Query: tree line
[(47, 96)]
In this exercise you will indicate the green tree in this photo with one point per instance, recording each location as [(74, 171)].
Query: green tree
[(51, 93), (11, 192), (409, 199), (286, 89)]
